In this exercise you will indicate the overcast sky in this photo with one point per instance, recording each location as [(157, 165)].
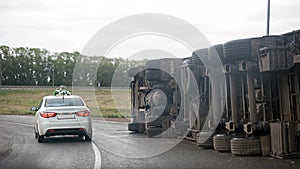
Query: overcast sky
[(67, 25)]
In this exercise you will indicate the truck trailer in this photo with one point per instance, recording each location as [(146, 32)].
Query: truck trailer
[(242, 96)]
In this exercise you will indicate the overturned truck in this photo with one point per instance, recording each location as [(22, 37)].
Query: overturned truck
[(242, 96), (155, 98)]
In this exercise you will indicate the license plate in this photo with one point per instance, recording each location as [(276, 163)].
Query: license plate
[(66, 116)]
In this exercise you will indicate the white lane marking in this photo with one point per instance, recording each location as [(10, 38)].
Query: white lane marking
[(21, 124), (97, 164)]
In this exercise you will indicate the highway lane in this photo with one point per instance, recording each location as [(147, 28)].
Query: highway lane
[(123, 149), (119, 149), (19, 149)]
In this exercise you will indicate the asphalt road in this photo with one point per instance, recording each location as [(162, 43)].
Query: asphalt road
[(114, 147)]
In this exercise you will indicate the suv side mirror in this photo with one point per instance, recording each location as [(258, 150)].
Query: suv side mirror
[(34, 109)]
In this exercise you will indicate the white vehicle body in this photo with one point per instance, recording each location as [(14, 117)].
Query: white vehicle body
[(62, 115)]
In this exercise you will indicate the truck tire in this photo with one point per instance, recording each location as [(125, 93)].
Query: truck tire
[(162, 99), (222, 143), (245, 146), (198, 55), (216, 52), (205, 139), (154, 121), (153, 131), (237, 50), (133, 127), (136, 127)]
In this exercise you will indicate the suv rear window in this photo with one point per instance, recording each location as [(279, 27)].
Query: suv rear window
[(61, 102)]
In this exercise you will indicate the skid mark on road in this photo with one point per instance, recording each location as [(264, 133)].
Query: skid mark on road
[(97, 164)]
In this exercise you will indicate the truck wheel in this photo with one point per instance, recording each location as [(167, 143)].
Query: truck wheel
[(133, 127), (216, 52), (153, 131), (136, 127), (154, 121), (198, 55), (245, 146), (157, 103), (221, 143), (237, 49), (205, 139)]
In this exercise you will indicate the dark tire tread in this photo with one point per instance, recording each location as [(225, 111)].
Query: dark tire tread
[(222, 143), (153, 131), (208, 143), (245, 146), (40, 138), (237, 50)]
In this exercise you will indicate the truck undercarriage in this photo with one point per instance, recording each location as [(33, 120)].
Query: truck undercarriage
[(242, 96)]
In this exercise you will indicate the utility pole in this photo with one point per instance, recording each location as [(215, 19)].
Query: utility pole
[(268, 18)]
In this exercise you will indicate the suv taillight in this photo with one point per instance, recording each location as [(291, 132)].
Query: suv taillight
[(48, 114), (83, 113)]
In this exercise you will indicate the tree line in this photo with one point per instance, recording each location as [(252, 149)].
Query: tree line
[(35, 66)]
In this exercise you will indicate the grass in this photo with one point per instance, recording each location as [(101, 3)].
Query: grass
[(102, 103)]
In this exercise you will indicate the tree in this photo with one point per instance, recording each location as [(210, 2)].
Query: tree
[(35, 66), (4, 52)]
